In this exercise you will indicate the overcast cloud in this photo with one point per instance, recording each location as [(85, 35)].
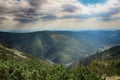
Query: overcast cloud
[(58, 15)]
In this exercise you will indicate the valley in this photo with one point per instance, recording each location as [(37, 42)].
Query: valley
[(61, 47), (60, 55)]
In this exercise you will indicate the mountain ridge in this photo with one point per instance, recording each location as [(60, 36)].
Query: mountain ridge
[(112, 53), (65, 43)]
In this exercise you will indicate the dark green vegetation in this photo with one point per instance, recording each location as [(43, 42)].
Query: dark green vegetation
[(15, 65), (106, 68), (110, 54), (105, 63), (60, 46)]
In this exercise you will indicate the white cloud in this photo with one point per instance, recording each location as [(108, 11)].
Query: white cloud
[(58, 15)]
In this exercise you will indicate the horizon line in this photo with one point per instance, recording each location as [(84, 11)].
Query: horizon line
[(32, 31)]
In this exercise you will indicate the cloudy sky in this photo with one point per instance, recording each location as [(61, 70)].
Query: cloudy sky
[(59, 15)]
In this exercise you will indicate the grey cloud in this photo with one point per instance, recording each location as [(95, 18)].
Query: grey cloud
[(106, 16), (111, 12), (2, 19), (48, 17), (69, 8), (36, 3), (30, 14), (27, 20), (23, 18), (81, 16), (2, 10), (108, 19), (22, 14), (105, 19), (26, 15), (103, 16)]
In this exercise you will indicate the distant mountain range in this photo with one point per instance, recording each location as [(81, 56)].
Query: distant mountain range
[(61, 47)]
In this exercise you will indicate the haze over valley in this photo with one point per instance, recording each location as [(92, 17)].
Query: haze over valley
[(61, 47)]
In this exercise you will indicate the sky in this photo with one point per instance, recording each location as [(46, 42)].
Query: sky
[(38, 15)]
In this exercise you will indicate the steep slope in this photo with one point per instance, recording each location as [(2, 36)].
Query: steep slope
[(95, 40), (107, 63), (11, 54), (32, 43), (15, 65), (110, 54), (60, 46), (65, 49), (50, 45)]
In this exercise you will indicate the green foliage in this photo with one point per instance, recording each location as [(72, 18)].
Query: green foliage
[(14, 67), (106, 68), (36, 70)]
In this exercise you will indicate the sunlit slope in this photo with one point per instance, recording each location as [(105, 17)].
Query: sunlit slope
[(54, 46), (61, 46), (65, 49)]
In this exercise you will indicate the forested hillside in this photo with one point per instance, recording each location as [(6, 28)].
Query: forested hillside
[(13, 66), (105, 63), (60, 47), (44, 55), (110, 54)]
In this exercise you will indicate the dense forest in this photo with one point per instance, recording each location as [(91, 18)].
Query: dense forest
[(15, 67), (24, 67)]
